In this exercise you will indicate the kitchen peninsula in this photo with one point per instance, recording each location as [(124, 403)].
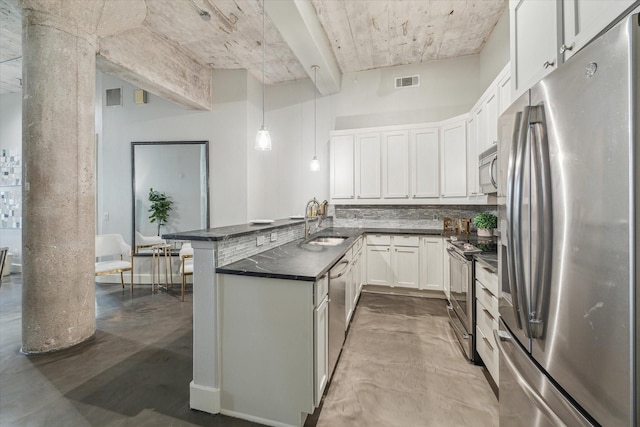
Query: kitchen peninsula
[(256, 317)]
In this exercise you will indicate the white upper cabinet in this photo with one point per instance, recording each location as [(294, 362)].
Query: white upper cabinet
[(545, 32), (454, 158), (425, 162), (584, 19), (472, 152), (342, 166), (534, 41), (504, 91), (368, 164), (395, 164)]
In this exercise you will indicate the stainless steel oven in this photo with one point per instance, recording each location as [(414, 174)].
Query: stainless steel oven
[(461, 309)]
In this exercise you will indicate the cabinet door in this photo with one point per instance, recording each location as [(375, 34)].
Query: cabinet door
[(454, 160), (348, 297), (534, 41), (504, 93), (472, 154), (368, 166), (342, 166), (321, 350), (446, 272), (363, 270), (491, 121), (431, 260), (357, 278), (406, 267), (425, 171), (395, 165), (584, 19), (378, 265)]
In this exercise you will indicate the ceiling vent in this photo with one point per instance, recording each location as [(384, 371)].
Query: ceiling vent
[(408, 81), (114, 97)]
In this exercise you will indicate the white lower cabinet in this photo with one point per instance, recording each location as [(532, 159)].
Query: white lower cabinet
[(393, 261), (405, 266), (487, 318), (321, 349), (379, 265), (431, 263), (446, 272), (287, 326)]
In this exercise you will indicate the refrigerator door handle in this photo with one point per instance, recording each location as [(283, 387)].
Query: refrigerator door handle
[(511, 261), (518, 258), (541, 271)]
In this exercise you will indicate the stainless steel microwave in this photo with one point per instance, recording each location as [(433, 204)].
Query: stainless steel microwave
[(488, 169)]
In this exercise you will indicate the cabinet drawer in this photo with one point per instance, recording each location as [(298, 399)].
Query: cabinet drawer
[(485, 320), (378, 239), (487, 299), (488, 278), (488, 351), (407, 241), (321, 289)]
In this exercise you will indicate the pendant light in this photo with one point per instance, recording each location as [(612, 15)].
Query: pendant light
[(263, 139), (315, 163)]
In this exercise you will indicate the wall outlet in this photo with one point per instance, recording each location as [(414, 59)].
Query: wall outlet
[(435, 217), (274, 236), (260, 241)]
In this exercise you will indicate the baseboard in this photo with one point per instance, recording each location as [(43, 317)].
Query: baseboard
[(410, 292), (258, 420), (203, 398)]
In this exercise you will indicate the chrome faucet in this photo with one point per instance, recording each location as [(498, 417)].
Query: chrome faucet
[(306, 216)]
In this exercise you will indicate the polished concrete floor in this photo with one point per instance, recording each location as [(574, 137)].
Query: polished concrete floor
[(400, 367)]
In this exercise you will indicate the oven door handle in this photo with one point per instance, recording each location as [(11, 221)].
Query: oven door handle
[(457, 323), (457, 256)]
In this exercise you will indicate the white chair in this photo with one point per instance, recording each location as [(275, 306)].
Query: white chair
[(111, 246), (146, 242), (186, 265)]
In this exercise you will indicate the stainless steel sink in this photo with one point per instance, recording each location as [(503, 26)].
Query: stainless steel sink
[(327, 241)]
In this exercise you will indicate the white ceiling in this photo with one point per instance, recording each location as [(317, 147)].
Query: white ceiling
[(362, 34)]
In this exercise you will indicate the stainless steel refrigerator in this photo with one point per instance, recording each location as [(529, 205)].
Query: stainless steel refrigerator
[(569, 210)]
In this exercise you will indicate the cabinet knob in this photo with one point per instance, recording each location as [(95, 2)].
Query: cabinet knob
[(548, 64), (565, 48)]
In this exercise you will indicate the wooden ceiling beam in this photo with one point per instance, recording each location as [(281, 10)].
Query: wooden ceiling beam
[(298, 24)]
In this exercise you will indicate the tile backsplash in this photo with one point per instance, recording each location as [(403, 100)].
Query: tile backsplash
[(237, 248), (405, 216)]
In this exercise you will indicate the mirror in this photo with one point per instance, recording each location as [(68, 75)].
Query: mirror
[(179, 169)]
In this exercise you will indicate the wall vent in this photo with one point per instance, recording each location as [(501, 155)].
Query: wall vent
[(408, 81), (114, 97)]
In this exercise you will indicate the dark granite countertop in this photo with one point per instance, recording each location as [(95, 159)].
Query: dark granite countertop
[(298, 260), (222, 233)]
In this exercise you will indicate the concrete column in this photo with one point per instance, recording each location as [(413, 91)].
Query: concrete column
[(58, 296)]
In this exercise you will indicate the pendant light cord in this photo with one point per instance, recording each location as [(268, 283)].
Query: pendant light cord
[(263, 63), (315, 116)]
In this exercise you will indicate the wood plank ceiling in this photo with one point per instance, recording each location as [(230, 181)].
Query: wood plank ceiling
[(363, 34)]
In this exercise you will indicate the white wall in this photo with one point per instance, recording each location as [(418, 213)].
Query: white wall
[(447, 88), (159, 120), (495, 53), (11, 139), (247, 184)]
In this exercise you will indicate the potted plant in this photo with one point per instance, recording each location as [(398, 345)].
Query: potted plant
[(160, 207), (485, 223)]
